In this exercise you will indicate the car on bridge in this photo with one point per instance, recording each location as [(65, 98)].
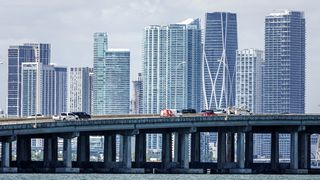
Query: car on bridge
[(82, 115), (65, 116)]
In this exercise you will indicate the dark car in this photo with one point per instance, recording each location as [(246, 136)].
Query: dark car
[(82, 115), (189, 110)]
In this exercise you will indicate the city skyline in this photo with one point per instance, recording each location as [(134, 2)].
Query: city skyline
[(256, 17)]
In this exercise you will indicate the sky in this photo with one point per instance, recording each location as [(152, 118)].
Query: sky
[(68, 25)]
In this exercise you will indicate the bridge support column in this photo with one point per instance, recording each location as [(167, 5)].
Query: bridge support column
[(140, 150), (230, 147), (249, 150), (274, 151), (304, 150), (50, 155), (127, 151), (166, 150), (83, 150), (109, 150), (183, 150), (221, 150), (195, 148), (67, 155), (5, 155), (241, 168), (23, 152)]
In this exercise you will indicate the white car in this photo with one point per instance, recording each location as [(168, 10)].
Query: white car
[(65, 116), (34, 116)]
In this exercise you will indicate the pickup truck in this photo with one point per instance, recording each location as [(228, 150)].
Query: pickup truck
[(65, 116)]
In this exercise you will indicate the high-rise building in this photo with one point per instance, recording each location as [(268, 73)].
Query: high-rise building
[(39, 86), (284, 68), (137, 96), (219, 60), (112, 83), (249, 79), (172, 66), (17, 55), (61, 90), (80, 89)]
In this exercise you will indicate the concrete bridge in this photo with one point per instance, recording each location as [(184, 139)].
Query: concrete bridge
[(183, 132)]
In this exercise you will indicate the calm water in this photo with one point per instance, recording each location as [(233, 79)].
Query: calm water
[(152, 176)]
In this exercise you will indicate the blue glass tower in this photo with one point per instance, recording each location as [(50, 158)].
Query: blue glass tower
[(219, 59), (16, 56), (284, 69)]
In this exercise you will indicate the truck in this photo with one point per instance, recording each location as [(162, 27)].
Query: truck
[(65, 116)]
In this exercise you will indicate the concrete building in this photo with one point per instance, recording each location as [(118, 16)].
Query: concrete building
[(17, 55), (284, 69), (249, 80), (219, 60), (80, 89), (61, 90), (136, 105), (172, 66), (39, 86)]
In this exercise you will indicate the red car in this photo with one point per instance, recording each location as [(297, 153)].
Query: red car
[(207, 113)]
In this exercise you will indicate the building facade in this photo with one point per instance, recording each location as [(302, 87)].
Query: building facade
[(80, 89), (39, 86), (137, 96), (249, 80), (61, 90), (172, 66), (284, 69), (16, 56), (219, 60)]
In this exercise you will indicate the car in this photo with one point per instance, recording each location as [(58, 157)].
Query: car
[(82, 115), (34, 116), (170, 113), (189, 110), (208, 113), (65, 116)]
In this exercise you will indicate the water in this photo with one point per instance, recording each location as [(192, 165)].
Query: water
[(153, 177)]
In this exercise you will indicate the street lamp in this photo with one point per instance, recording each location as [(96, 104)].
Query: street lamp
[(175, 89)]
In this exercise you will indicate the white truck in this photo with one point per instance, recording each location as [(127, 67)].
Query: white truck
[(65, 116)]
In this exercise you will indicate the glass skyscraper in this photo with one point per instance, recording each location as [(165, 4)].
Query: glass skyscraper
[(284, 69), (16, 56), (219, 60), (172, 66)]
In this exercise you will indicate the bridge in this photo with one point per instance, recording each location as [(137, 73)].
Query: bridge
[(182, 133)]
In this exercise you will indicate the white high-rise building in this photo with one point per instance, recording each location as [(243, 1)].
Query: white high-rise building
[(249, 79), (39, 86), (172, 66), (80, 89)]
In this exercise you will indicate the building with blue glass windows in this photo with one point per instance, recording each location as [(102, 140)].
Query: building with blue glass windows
[(172, 66), (284, 69), (219, 60), (31, 52)]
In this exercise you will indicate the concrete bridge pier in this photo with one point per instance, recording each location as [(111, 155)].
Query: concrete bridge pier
[(166, 159), (24, 153), (109, 151), (140, 150), (248, 150), (183, 152), (126, 161), (241, 168), (221, 151), (83, 150), (5, 155), (275, 152), (67, 156), (195, 148), (50, 156), (295, 159)]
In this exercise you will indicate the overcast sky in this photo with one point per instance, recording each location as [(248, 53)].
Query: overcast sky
[(68, 25)]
